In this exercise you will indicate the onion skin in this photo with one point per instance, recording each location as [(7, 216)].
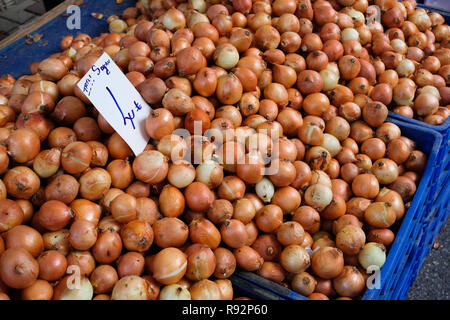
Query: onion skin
[(201, 262), (62, 291), (11, 214), (18, 268), (248, 258), (350, 282), (272, 271), (204, 232), (109, 242), (372, 254), (234, 233), (268, 247), (327, 262), (24, 237), (39, 290), (103, 279), (383, 236), (131, 288), (174, 292), (295, 259), (350, 239), (137, 235), (225, 263), (205, 290), (169, 266)]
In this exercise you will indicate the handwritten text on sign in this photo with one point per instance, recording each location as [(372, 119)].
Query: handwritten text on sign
[(118, 101)]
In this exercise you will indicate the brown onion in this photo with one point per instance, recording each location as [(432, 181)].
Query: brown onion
[(327, 262), (18, 268), (170, 232), (295, 259)]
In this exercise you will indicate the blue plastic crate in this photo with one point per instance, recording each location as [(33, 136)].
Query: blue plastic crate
[(401, 273), (245, 288), (444, 129), (437, 204), (268, 285), (436, 6), (423, 245), (16, 57), (394, 274)]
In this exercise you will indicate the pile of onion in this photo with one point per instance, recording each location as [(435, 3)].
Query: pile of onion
[(269, 150)]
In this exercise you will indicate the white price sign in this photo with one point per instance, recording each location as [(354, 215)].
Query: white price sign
[(118, 101)]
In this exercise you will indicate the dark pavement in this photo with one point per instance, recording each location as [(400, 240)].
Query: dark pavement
[(433, 280)]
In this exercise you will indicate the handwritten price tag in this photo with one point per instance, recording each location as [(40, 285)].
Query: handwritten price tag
[(118, 101)]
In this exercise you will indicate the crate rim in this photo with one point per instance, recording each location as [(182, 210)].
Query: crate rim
[(440, 128)]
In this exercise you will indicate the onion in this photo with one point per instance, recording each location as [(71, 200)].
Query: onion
[(233, 233), (332, 144), (304, 283), (204, 232), (174, 292), (52, 69), (373, 254), (23, 145), (225, 263), (131, 288), (330, 79), (350, 282), (349, 67), (103, 279), (265, 190), (380, 214), (327, 262), (39, 290), (58, 240), (269, 218), (295, 259), (169, 266), (318, 196), (405, 68), (287, 198), (365, 185), (425, 104), (108, 247), (243, 210), (131, 263), (272, 271), (65, 291), (18, 268), (11, 214), (171, 201), (248, 258), (268, 247), (170, 232), (350, 239), (201, 262), (137, 235), (385, 170), (290, 232), (210, 173), (226, 56), (205, 290), (150, 166)]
